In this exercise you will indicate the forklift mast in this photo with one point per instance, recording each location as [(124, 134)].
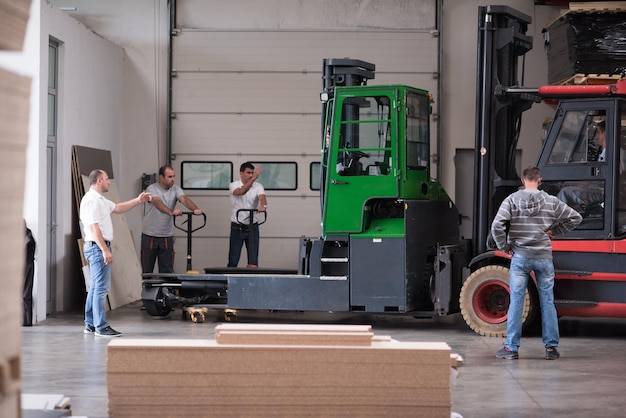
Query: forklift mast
[(502, 40)]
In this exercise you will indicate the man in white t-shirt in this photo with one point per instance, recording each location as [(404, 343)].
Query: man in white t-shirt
[(95, 216), (246, 196)]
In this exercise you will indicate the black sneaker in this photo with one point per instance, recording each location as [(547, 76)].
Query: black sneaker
[(89, 329), (108, 332), (552, 353), (507, 354)]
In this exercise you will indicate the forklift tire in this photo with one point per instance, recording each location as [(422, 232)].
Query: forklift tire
[(157, 306), (485, 298)]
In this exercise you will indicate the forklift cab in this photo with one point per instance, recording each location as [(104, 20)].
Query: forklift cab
[(583, 163)]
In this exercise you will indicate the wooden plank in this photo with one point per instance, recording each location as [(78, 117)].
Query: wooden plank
[(279, 411), (210, 381), (291, 334), (432, 398), (183, 390)]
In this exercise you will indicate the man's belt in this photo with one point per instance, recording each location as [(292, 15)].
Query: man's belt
[(92, 243)]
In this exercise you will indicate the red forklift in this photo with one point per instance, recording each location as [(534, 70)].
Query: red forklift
[(582, 161)]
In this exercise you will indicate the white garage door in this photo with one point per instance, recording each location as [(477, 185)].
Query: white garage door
[(245, 87)]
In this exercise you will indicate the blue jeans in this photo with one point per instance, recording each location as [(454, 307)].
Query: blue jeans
[(519, 275), (238, 236), (95, 305)]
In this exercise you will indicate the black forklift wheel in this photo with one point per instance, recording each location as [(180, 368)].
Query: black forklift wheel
[(157, 306)]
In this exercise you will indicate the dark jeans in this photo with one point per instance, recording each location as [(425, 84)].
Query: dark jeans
[(157, 247), (238, 236)]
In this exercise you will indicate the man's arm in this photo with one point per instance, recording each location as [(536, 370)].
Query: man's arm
[(158, 203), (498, 227), (189, 204), (567, 219), (129, 204), (262, 203), (240, 191)]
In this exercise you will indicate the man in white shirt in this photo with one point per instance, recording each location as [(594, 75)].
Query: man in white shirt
[(95, 216), (248, 195)]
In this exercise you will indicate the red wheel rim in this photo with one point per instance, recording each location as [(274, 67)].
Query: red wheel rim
[(491, 302)]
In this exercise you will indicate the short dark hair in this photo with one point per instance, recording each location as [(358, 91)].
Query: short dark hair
[(163, 168), (95, 175), (532, 174), (601, 125), (245, 166)]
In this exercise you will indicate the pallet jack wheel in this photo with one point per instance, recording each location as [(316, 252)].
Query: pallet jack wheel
[(230, 315), (197, 317)]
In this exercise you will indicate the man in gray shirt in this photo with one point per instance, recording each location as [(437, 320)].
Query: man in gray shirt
[(157, 238), (532, 217)]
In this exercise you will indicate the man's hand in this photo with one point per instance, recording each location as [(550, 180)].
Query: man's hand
[(108, 257), (144, 197), (197, 212), (550, 234), (257, 172), (177, 212)]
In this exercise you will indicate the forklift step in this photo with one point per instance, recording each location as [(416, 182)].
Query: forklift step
[(334, 259), (575, 303), (333, 277)]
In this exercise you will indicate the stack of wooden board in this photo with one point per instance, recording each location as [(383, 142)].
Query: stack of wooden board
[(259, 370), (14, 16), (14, 122)]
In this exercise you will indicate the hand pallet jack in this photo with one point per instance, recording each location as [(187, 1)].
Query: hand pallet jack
[(196, 314)]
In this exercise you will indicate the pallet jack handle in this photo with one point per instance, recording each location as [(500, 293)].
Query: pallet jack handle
[(189, 230)]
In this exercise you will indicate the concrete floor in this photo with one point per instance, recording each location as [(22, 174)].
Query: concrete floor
[(588, 381)]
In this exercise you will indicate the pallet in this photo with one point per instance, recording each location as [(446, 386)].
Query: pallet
[(597, 6), (590, 79)]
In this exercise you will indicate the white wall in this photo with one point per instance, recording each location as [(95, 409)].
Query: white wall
[(141, 29)]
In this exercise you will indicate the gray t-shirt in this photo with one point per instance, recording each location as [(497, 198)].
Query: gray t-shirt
[(155, 222)]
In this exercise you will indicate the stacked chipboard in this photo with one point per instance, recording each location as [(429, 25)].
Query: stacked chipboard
[(14, 122), (259, 370), (14, 16)]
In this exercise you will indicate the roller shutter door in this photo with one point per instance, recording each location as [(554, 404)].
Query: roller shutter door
[(245, 87)]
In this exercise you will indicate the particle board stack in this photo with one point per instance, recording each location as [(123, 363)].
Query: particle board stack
[(258, 370), (14, 16), (14, 119)]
